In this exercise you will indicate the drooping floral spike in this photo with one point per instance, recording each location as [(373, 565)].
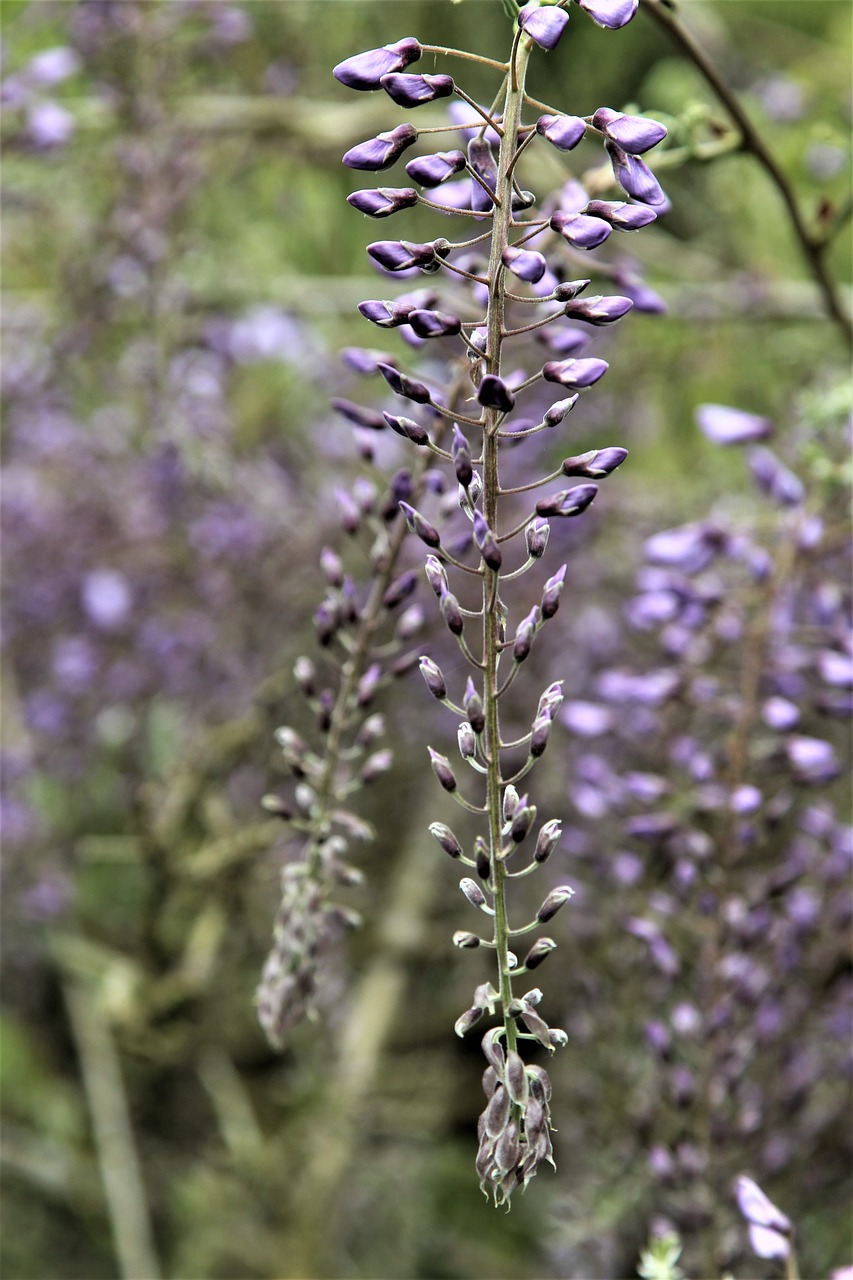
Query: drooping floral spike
[(365, 70)]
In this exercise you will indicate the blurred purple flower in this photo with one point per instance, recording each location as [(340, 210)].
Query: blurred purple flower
[(49, 125), (724, 425), (107, 598)]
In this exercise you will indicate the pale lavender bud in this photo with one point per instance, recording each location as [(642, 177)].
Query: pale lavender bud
[(473, 705), (537, 534), (401, 255), (326, 623), (407, 428), (569, 289), (399, 590), (621, 216), (770, 1230), (482, 160), (474, 893), (575, 373), (466, 741), (552, 591), (413, 90), (774, 478), (511, 801), (486, 542), (372, 728), (421, 527), (493, 1050), (446, 839), (381, 202), (563, 132), (431, 171), (568, 502), (539, 952), (549, 703), (634, 175), (451, 613), (595, 464), (436, 576), (357, 414), (610, 13), (524, 635), (380, 762), (556, 899), (382, 151), (467, 1020), (368, 684), (365, 70), (461, 458), (724, 425), (494, 393), (536, 1025), (558, 411), (527, 264), (812, 760), (306, 675), (442, 770), (434, 324), (404, 386), (332, 567), (580, 230), (779, 713), (600, 309), (539, 736), (433, 677), (465, 941), (544, 26), (634, 134)]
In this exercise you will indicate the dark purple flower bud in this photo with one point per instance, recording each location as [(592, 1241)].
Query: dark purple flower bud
[(563, 132), (401, 255), (365, 70), (461, 458), (407, 428), (599, 310), (400, 589), (388, 315), (465, 941), (357, 414), (540, 951), (434, 324), (568, 502), (482, 160), (812, 760), (525, 816), (610, 13), (551, 700), (634, 175), (579, 230), (442, 770), (409, 388), (431, 171), (473, 704), (451, 613), (544, 26), (537, 534), (481, 858), (421, 527), (575, 373), (525, 263), (634, 134), (486, 542), (493, 393), (558, 411), (446, 839), (381, 202), (413, 90), (724, 425), (436, 576), (524, 635), (511, 802), (539, 736), (382, 151), (554, 586), (595, 464), (774, 478), (468, 1019), (546, 842), (473, 892), (569, 289), (621, 216)]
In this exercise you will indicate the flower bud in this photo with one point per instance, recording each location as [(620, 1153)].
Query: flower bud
[(446, 839), (380, 762), (332, 567), (305, 674), (568, 502), (517, 1084), (381, 202), (486, 542), (433, 677), (357, 414), (386, 315), (544, 26), (474, 893), (599, 310), (493, 393), (596, 464), (556, 899), (525, 816), (537, 534), (546, 841), (524, 635), (442, 770), (551, 700), (277, 806), (482, 160), (431, 171), (467, 1020), (634, 134), (570, 289), (510, 803), (634, 175), (382, 151), (461, 458), (407, 428), (409, 387), (540, 735), (434, 324), (497, 1112), (365, 70), (400, 589), (436, 576), (402, 255), (558, 411), (466, 740), (580, 230), (368, 684), (527, 264), (551, 593), (540, 951), (473, 705), (610, 13), (422, 528), (563, 132), (575, 373), (451, 613), (621, 216), (466, 941), (482, 859)]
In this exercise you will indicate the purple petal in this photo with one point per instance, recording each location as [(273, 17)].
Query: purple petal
[(774, 478), (634, 175), (812, 760), (621, 216), (381, 202), (599, 310), (365, 70), (413, 90), (724, 425), (610, 13), (495, 394), (580, 230), (383, 150), (575, 373), (563, 132), (634, 134), (527, 264), (757, 1208), (545, 26)]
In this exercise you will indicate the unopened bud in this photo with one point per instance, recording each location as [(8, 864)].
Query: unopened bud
[(487, 542), (474, 894), (451, 613), (436, 576), (537, 537), (493, 1049), (540, 735), (558, 411), (442, 770), (556, 899), (306, 675), (421, 527), (466, 740), (380, 762), (540, 951), (465, 941), (434, 679), (277, 806), (568, 502), (467, 1020), (368, 684), (400, 589), (510, 803), (333, 569), (482, 859), (549, 703), (546, 841), (551, 594), (525, 816), (473, 705), (461, 458), (516, 1078), (524, 635), (446, 839)]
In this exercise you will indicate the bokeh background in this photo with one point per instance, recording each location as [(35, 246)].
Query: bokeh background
[(180, 271)]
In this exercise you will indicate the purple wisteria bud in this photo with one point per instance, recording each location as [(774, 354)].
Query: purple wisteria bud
[(368, 684), (305, 674), (527, 264), (574, 373), (580, 230), (554, 586), (524, 635), (473, 704), (407, 428), (385, 314), (598, 309), (357, 414), (399, 590), (774, 477), (381, 202), (486, 542), (569, 289), (465, 941), (493, 393), (724, 425), (466, 741), (596, 464), (446, 839), (537, 534), (525, 816), (451, 613), (511, 801), (634, 134), (436, 575), (539, 735), (413, 90), (812, 760), (407, 387), (474, 893), (380, 762), (634, 175), (365, 70), (332, 567), (620, 215), (401, 255), (421, 527), (431, 171), (558, 411), (442, 770), (563, 132), (610, 13), (482, 859), (469, 1018), (770, 1230), (434, 324), (461, 451), (540, 951), (544, 26), (546, 842), (383, 150), (556, 899), (481, 158)]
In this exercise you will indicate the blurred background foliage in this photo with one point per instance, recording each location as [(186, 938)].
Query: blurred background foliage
[(180, 269)]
